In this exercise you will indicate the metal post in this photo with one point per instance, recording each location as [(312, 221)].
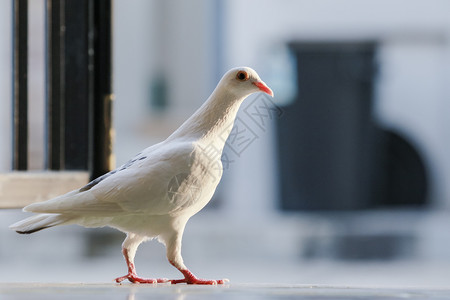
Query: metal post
[(20, 67), (103, 97), (79, 85), (55, 84)]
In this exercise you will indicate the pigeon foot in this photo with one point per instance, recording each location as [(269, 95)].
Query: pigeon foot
[(199, 281), (133, 278), (190, 278)]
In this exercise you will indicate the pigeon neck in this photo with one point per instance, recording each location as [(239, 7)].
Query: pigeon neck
[(212, 122)]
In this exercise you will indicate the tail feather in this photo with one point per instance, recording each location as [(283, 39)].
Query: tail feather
[(39, 222)]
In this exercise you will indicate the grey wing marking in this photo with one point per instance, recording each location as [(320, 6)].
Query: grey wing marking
[(128, 164)]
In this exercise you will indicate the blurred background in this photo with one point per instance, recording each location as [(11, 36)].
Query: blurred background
[(341, 178)]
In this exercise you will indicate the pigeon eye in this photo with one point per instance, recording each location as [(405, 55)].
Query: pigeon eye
[(242, 76)]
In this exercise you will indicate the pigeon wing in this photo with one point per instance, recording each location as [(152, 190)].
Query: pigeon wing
[(141, 186)]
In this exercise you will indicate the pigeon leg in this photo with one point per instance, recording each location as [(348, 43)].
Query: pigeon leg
[(129, 248), (174, 256)]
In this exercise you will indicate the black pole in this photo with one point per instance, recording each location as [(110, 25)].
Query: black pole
[(55, 84), (103, 97), (79, 87), (20, 67)]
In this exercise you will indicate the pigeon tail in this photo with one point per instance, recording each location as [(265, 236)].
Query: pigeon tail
[(39, 222)]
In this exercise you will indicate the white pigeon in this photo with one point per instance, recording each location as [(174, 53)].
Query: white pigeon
[(154, 194)]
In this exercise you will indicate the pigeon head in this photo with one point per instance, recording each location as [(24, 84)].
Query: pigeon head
[(244, 81)]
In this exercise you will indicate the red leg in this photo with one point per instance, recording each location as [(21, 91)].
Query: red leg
[(190, 278), (132, 276)]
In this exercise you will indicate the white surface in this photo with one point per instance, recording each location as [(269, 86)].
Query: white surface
[(219, 247), (233, 291)]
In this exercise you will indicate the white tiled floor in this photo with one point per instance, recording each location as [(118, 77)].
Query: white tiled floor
[(37, 291), (213, 247)]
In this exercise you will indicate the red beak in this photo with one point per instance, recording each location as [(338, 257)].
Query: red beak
[(263, 87)]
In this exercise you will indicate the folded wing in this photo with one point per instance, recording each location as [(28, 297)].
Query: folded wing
[(138, 187)]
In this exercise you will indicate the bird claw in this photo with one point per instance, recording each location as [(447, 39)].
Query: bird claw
[(199, 281), (190, 278), (135, 279)]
